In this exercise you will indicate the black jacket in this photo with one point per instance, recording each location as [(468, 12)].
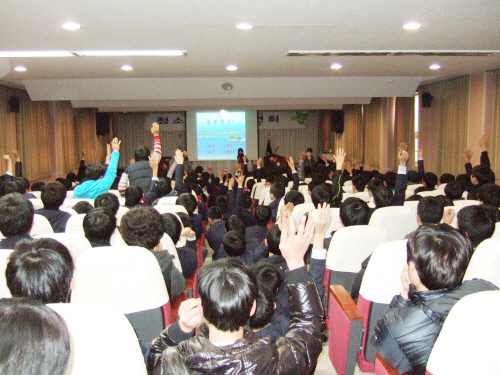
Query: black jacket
[(407, 332), (295, 353)]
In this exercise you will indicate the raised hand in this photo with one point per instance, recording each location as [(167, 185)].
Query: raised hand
[(339, 158), (154, 162), (155, 129), (403, 157), (230, 184), (448, 216), (293, 245), (484, 142), (179, 157), (14, 155), (467, 156), (420, 152), (259, 162), (190, 314), (291, 163), (115, 144), (241, 180)]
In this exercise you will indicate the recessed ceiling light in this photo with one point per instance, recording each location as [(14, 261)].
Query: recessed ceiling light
[(173, 52), (231, 67), (127, 67), (35, 54), (244, 26), (336, 66), (20, 68), (71, 25), (412, 26), (435, 67)]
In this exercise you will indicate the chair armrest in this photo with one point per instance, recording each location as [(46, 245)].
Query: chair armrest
[(346, 302), (382, 367)]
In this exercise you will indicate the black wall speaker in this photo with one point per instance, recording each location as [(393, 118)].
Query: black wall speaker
[(426, 99), (14, 104), (102, 123), (337, 121)]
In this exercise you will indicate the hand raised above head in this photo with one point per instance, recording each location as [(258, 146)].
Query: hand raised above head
[(190, 314), (179, 157), (115, 144), (293, 245)]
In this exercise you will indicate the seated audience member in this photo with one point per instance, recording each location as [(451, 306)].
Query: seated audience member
[(255, 235), (188, 201), (109, 201), (66, 183), (37, 186), (438, 256), (382, 196), (390, 179), (354, 211), (16, 219), (35, 340), (358, 184), (234, 244), (477, 222), (95, 184), (294, 197), (246, 214), (143, 226), (83, 207), (133, 196), (227, 301), (99, 225), (454, 190), (430, 210), (429, 180), (53, 196), (217, 228), (480, 175), (40, 269), (277, 192), (177, 226), (490, 194), (139, 173), (414, 178), (446, 178)]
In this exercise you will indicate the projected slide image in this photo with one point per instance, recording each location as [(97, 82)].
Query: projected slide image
[(219, 138)]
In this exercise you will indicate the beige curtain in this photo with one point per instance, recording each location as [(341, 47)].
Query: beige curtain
[(8, 131), (372, 124), (453, 124), (405, 125), (495, 136), (66, 137), (353, 132)]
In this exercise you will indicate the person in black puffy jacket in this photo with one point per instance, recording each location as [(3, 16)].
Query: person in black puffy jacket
[(438, 256)]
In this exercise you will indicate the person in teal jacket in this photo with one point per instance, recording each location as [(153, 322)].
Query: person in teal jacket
[(95, 184)]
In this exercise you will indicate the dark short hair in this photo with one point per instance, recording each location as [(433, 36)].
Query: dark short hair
[(37, 186), (35, 340), (490, 194), (454, 190), (246, 202), (234, 222), (464, 180), (359, 182), (141, 153), (354, 211), (430, 180), (16, 215), (142, 226), (133, 195), (214, 213), (294, 196), (478, 222), (262, 215), (269, 274), (109, 201), (382, 196), (414, 177), (164, 186), (321, 194), (53, 195), (71, 177), (41, 269), (309, 149), (65, 182), (83, 207), (188, 201), (9, 187), (446, 178), (94, 171), (99, 224), (482, 173), (273, 237), (227, 291), (22, 183), (234, 243), (222, 203), (278, 190), (390, 179), (430, 210), (374, 183), (440, 254), (185, 219), (172, 226), (264, 307)]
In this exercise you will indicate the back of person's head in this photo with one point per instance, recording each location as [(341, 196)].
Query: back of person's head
[(41, 269), (227, 291), (382, 196), (414, 177), (359, 182), (445, 201), (464, 180), (71, 177), (9, 187), (214, 213), (142, 226), (65, 182), (109, 201), (264, 307), (318, 178), (477, 222), (374, 183), (16, 215), (188, 201), (250, 184), (235, 223), (53, 195), (312, 185), (490, 194), (321, 194), (172, 225), (446, 178), (99, 224), (22, 184), (454, 190), (83, 207), (35, 340), (390, 179), (354, 211), (430, 180), (262, 215), (268, 274), (185, 219), (164, 186), (222, 203), (133, 196), (94, 171), (414, 197), (141, 153), (440, 254), (482, 174), (246, 202), (234, 243), (430, 210), (273, 237), (295, 197), (37, 186), (278, 190)]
